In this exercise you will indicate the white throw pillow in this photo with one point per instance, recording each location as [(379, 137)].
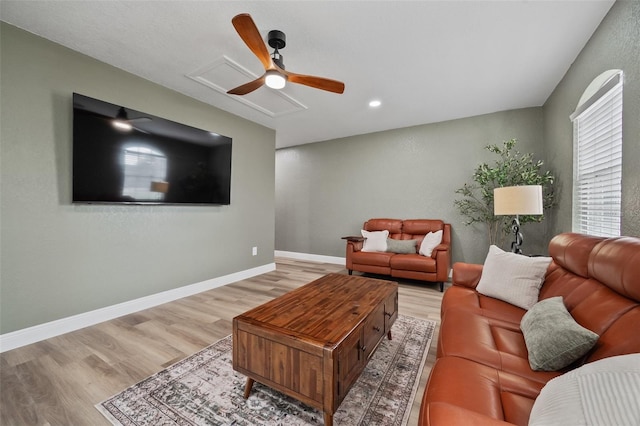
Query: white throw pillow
[(512, 277), (603, 392), (375, 240), (430, 241)]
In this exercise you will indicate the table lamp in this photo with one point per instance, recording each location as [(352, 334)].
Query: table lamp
[(517, 200)]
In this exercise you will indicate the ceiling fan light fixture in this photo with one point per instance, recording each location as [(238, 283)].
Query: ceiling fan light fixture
[(275, 80), (122, 125)]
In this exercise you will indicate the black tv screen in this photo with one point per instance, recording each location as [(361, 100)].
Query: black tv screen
[(121, 155)]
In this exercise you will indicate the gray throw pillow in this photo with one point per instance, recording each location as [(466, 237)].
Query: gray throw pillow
[(401, 246), (553, 338)]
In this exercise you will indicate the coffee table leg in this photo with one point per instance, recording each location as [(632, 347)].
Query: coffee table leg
[(389, 335), (328, 419), (247, 387)]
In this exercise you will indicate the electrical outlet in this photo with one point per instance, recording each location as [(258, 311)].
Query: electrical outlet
[(254, 251)]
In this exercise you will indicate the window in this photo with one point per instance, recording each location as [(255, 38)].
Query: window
[(145, 170), (597, 157)]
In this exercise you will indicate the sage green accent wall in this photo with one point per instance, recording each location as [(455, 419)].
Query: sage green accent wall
[(59, 259), (614, 45), (327, 190)]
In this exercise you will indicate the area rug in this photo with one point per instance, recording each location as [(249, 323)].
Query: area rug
[(203, 389)]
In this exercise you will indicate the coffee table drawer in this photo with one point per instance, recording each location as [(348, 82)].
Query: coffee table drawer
[(390, 312), (373, 331), (349, 363), (279, 365)]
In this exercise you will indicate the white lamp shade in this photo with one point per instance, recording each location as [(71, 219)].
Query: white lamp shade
[(516, 200)]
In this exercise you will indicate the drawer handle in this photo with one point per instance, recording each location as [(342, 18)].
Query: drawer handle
[(389, 314), (376, 328), (364, 348)]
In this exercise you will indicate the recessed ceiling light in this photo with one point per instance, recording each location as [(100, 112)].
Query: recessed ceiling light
[(375, 103)]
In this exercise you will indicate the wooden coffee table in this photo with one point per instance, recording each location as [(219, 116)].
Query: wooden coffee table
[(313, 342)]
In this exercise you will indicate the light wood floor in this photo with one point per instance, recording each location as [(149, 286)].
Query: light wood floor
[(58, 381)]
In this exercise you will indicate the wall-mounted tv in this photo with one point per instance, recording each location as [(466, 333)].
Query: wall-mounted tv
[(121, 155)]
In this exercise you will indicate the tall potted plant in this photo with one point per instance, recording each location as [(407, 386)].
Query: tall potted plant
[(510, 169)]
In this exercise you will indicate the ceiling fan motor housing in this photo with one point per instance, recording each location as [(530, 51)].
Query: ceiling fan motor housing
[(277, 39)]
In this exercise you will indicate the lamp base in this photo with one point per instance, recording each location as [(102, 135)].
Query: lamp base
[(515, 227)]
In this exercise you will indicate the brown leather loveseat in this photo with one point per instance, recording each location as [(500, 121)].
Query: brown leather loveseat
[(482, 375), (434, 268)]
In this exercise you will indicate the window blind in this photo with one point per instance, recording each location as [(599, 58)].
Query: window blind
[(597, 189)]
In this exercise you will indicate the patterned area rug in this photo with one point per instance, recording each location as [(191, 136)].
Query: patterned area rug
[(203, 389)]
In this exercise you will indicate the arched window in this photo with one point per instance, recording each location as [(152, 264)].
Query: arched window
[(145, 172), (597, 157)]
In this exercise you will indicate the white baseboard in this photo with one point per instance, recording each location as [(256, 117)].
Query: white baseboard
[(29, 335), (311, 257)]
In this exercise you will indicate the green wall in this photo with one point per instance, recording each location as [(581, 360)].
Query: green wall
[(327, 190), (614, 45), (59, 259)]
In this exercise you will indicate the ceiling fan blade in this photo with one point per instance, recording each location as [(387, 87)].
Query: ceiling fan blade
[(248, 32), (247, 87), (140, 119), (321, 83)]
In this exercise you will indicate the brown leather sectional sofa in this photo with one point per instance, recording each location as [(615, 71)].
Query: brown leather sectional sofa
[(412, 266), (482, 375)]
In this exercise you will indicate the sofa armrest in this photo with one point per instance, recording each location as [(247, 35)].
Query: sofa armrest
[(466, 274), (352, 247), (439, 247), (442, 254)]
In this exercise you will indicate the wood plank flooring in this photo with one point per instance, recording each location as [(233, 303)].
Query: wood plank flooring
[(58, 381)]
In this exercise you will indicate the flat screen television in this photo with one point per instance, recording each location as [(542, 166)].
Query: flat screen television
[(125, 156)]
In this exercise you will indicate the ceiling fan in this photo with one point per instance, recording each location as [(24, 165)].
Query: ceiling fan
[(123, 122), (275, 75)]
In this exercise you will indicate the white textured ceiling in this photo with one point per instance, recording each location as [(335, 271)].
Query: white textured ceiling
[(427, 61)]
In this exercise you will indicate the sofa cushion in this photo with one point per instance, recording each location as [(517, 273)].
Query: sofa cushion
[(571, 251), (372, 258), (554, 339), (394, 226), (413, 262), (620, 338), (375, 240), (469, 387), (604, 392), (494, 342), (430, 241), (421, 226), (458, 297), (512, 277), (616, 263), (401, 246)]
